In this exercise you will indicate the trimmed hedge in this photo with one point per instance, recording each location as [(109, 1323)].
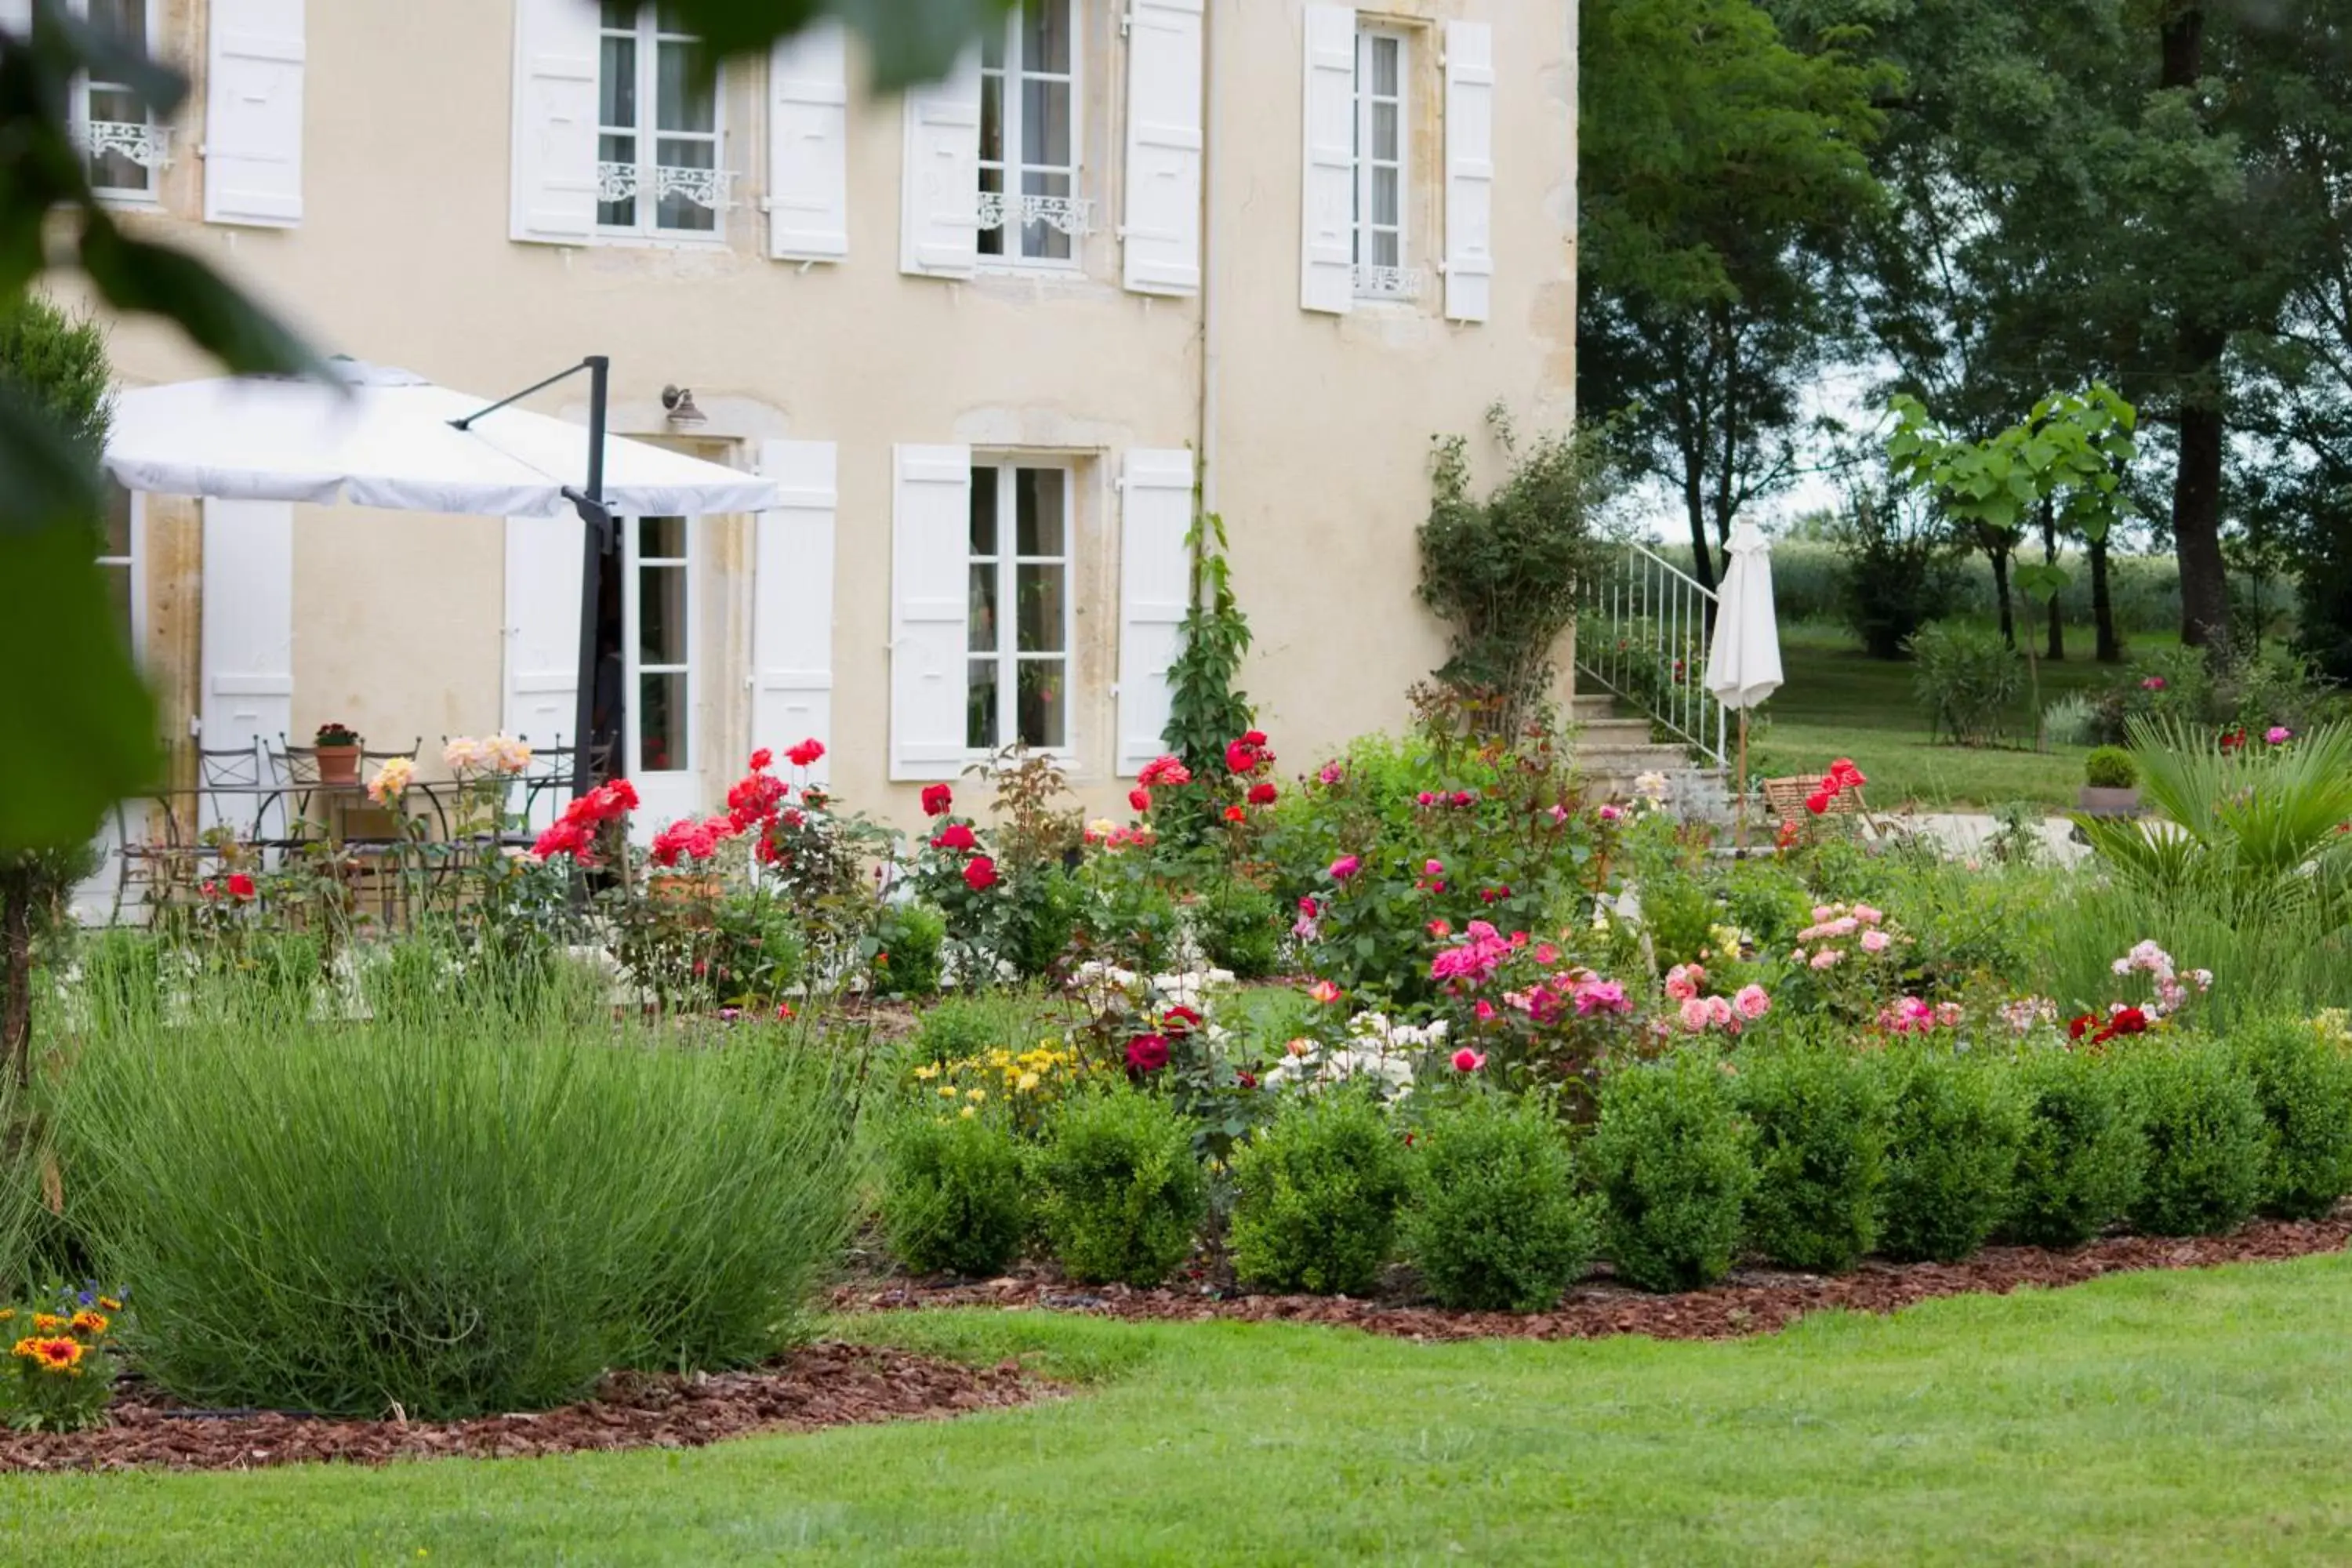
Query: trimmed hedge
[(1817, 1121), (1672, 1167)]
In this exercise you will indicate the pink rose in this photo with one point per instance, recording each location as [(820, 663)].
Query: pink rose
[(1485, 1010), (1874, 940), (2278, 735), (1345, 867), (1718, 1011), (1467, 1060), (1695, 1015), (1752, 1002), (1867, 915), (1828, 958), (1433, 867)]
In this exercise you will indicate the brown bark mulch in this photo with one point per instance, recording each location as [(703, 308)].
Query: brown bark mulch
[(1752, 1302), (825, 1385)]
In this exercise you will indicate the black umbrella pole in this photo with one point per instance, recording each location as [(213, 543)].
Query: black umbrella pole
[(596, 541)]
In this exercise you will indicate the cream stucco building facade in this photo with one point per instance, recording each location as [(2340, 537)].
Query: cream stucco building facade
[(988, 337)]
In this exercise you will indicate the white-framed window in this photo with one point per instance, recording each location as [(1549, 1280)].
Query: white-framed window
[(1384, 166), (657, 133), (1017, 685), (125, 147), (1030, 208), (658, 632), (118, 558)]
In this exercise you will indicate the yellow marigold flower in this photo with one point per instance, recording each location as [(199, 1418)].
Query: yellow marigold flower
[(975, 1095), (1028, 1082), (928, 1071), (968, 1112), (46, 1323), (947, 1091), (88, 1322)]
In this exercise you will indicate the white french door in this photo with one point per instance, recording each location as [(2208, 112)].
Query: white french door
[(660, 623)]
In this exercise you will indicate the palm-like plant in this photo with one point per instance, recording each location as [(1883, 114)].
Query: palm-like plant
[(2249, 832)]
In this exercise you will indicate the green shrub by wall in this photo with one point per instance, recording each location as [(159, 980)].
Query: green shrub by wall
[(1316, 1195)]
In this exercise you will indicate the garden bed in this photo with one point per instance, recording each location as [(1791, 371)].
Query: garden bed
[(1752, 1302), (823, 1385)]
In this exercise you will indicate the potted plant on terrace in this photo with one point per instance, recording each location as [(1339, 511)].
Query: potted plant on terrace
[(338, 753), (2110, 783)]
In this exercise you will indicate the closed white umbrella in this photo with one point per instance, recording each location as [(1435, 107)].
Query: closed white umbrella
[(385, 440), (1743, 662)]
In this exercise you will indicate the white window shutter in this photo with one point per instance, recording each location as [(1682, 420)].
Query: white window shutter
[(1469, 170), (792, 606), (16, 16), (1155, 574), (553, 176), (1162, 224), (543, 628), (253, 114), (247, 627), (808, 145), (931, 538), (938, 225), (1327, 233)]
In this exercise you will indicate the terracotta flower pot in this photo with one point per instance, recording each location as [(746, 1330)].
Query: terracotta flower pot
[(339, 764), (2097, 801)]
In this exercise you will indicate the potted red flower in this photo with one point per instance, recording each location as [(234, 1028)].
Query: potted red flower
[(338, 753)]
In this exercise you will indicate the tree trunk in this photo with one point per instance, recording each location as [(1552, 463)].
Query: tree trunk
[(2197, 487), (16, 1003), (2000, 554), (1695, 506), (2196, 530), (2103, 606), (2057, 644)]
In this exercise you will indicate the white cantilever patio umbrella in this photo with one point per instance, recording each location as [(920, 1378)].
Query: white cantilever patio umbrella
[(1743, 662), (390, 438), (386, 439)]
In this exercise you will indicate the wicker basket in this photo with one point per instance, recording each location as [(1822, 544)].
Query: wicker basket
[(1787, 798)]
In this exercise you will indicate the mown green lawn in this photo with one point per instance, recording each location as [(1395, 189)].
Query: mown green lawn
[(2163, 1418), (1839, 702)]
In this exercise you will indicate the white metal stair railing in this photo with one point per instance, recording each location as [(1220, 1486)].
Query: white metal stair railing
[(1640, 636)]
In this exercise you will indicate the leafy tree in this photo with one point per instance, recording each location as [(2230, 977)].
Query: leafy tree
[(1720, 171), (80, 735)]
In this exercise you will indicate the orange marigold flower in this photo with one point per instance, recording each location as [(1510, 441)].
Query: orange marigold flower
[(88, 1322), (46, 1323), (110, 1303), (52, 1354)]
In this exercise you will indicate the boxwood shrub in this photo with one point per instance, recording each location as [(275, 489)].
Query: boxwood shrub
[(1316, 1195), (1496, 1222), (1671, 1164), (1817, 1117), (955, 1197), (2208, 1145), (1958, 1124), (2084, 1155), (2304, 1080), (1119, 1191)]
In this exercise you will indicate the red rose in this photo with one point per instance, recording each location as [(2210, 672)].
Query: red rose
[(981, 874), (2125, 1021), (1247, 1079), (936, 800), (1179, 1020), (761, 759), (1236, 814), (2077, 1028), (1818, 802), (1240, 756), (1255, 739), (1147, 1053), (955, 836), (1140, 798), (1263, 793), (210, 890), (240, 885), (806, 753), (1843, 774)]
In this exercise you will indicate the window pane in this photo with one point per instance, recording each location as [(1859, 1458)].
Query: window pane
[(991, 119), (1385, 198), (1384, 66), (1043, 700), (620, 149), (1385, 249), (118, 521), (1384, 132), (1043, 612), (123, 19), (616, 83), (1038, 500), (684, 93), (661, 538), (1046, 35), (621, 14), (992, 50), (661, 723), (118, 594), (661, 616), (983, 511), (1046, 122), (980, 613), (980, 705)]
